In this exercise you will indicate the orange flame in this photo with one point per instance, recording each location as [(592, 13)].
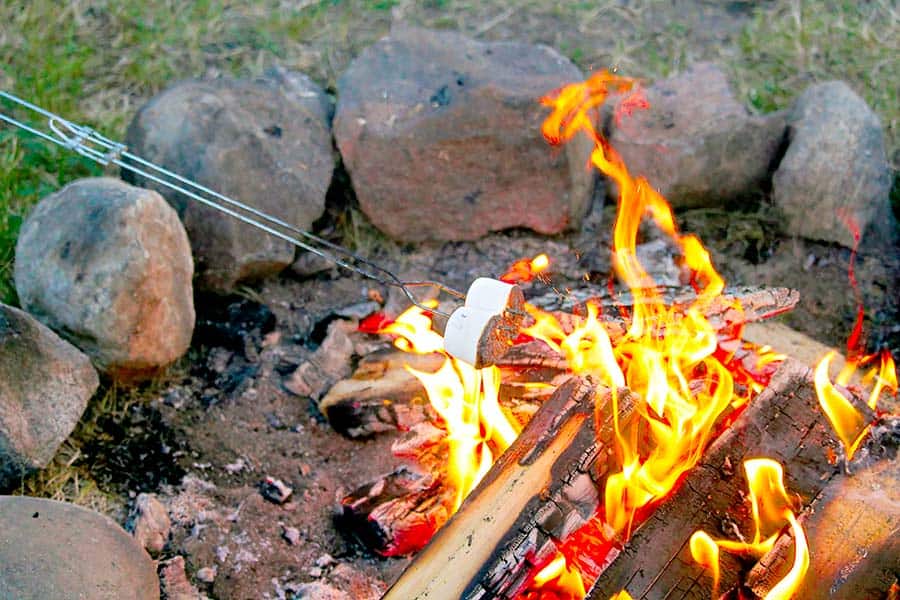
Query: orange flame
[(667, 356), (771, 509), (525, 269)]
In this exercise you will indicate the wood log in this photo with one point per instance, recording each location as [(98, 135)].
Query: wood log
[(382, 395), (783, 423), (757, 303), (853, 531), (544, 487)]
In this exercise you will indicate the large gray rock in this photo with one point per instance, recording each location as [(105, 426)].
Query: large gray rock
[(441, 137), (266, 143), (835, 167), (56, 550), (108, 266), (696, 143), (45, 385)]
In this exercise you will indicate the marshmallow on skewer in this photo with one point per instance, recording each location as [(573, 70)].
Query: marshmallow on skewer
[(481, 331)]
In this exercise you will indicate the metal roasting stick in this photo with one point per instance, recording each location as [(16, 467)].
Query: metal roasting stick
[(92, 145)]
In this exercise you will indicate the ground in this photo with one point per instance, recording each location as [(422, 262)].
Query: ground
[(97, 62)]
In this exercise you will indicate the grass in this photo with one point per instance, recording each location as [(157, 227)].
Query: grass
[(97, 61)]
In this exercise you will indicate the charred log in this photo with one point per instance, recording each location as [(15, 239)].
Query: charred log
[(382, 395), (542, 489), (783, 423), (853, 531)]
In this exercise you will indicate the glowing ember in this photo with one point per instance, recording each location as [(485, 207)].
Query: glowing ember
[(771, 509), (525, 269)]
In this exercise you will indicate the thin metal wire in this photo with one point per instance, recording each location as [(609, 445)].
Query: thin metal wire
[(98, 148)]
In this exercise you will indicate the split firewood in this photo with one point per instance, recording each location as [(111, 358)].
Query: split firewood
[(757, 303), (852, 529), (783, 423), (382, 395), (543, 488)]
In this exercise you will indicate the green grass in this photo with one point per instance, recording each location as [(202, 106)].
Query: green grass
[(96, 62)]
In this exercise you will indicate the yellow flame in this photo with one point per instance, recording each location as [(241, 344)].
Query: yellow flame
[(666, 355), (466, 399), (771, 509), (848, 422), (706, 552), (561, 578)]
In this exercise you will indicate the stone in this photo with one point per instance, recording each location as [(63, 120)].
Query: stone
[(317, 590), (207, 574), (108, 266), (835, 168), (696, 144), (45, 385), (52, 549), (441, 137), (174, 581), (150, 523), (264, 142)]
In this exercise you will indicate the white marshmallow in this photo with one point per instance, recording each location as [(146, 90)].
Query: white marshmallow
[(489, 294), (464, 330)]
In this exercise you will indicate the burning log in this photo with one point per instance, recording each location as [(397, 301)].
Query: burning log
[(382, 395), (395, 515), (784, 423), (853, 529), (757, 304), (542, 489), (398, 513)]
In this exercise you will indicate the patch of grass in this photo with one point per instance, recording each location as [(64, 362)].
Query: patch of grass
[(74, 474), (791, 45)]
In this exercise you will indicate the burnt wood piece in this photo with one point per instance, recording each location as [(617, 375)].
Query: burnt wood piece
[(853, 531), (382, 395), (397, 514), (783, 423), (758, 303), (543, 488)]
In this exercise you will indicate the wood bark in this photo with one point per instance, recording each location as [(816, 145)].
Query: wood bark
[(543, 488), (783, 423), (853, 531), (382, 395)]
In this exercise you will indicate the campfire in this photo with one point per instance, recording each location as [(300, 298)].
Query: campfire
[(625, 444)]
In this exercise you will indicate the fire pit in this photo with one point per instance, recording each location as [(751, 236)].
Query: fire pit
[(621, 447), (617, 441)]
